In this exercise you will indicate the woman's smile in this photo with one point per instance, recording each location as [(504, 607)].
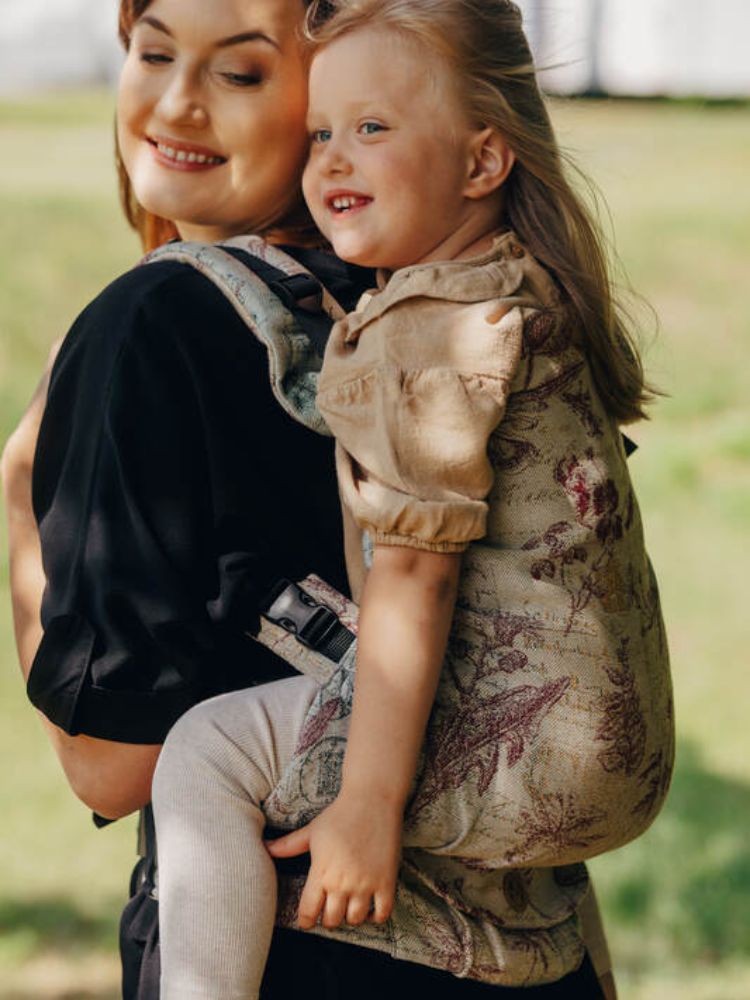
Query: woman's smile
[(177, 155)]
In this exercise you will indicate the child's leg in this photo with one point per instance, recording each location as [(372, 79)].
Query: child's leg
[(217, 884)]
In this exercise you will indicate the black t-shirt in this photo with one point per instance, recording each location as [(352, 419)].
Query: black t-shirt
[(171, 492)]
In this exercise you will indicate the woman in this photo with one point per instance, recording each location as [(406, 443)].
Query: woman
[(171, 491)]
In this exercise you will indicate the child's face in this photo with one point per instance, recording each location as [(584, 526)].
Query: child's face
[(211, 112), (389, 159)]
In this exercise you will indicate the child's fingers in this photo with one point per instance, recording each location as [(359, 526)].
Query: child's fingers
[(290, 845), (311, 904), (358, 910), (334, 910), (383, 907)]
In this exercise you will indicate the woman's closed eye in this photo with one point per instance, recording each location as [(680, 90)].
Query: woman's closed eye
[(252, 79), (155, 58)]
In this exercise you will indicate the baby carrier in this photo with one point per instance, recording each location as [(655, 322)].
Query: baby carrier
[(313, 627)]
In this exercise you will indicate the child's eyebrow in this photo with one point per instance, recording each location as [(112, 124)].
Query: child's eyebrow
[(222, 43)]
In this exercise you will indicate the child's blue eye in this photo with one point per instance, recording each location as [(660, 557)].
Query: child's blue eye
[(321, 135), (370, 128)]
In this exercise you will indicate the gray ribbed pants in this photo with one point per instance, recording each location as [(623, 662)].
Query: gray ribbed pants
[(217, 883)]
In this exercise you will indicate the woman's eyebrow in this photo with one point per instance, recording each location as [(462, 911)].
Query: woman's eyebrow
[(246, 36), (223, 43)]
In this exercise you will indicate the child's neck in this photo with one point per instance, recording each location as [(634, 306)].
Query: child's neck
[(473, 235)]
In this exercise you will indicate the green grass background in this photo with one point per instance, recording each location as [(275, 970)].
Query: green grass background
[(677, 902)]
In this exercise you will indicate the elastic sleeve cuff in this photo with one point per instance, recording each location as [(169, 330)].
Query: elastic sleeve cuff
[(59, 685), (410, 542)]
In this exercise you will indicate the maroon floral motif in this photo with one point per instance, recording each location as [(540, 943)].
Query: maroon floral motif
[(582, 404), (471, 738), (595, 498), (508, 449), (596, 504), (535, 944), (555, 824), (545, 333), (449, 939), (622, 728), (484, 642), (316, 725), (656, 777)]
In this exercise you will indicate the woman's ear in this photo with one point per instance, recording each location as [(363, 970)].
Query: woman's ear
[(490, 161)]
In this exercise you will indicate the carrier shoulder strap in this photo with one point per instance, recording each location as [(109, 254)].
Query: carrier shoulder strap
[(282, 304)]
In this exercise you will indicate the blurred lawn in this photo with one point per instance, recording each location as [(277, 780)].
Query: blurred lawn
[(677, 902)]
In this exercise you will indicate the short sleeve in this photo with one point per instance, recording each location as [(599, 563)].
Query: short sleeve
[(413, 400), (133, 500)]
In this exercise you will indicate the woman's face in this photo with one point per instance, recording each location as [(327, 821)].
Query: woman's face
[(211, 113)]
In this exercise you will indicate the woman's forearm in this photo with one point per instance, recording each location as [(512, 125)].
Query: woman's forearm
[(113, 779), (405, 619), (25, 555), (24, 551)]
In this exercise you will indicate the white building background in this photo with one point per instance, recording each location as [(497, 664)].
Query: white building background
[(675, 48), (626, 47)]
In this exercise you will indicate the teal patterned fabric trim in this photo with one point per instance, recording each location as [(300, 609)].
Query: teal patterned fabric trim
[(292, 361)]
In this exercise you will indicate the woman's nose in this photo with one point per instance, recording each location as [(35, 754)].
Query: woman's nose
[(182, 103)]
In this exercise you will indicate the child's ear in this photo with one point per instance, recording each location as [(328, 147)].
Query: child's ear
[(490, 161)]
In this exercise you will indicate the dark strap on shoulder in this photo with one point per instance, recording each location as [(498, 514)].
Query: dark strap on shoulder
[(302, 294)]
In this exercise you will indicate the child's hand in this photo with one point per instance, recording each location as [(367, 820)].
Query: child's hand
[(355, 846)]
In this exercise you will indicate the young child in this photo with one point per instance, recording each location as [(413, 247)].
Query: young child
[(510, 611)]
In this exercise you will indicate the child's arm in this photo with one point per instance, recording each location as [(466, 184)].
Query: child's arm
[(405, 618)]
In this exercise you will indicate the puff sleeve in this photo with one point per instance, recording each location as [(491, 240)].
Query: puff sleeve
[(413, 398)]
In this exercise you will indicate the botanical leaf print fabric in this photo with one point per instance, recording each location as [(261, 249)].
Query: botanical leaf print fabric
[(551, 736)]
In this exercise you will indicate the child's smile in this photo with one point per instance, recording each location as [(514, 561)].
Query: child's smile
[(346, 202)]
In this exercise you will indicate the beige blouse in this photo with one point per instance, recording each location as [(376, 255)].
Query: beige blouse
[(413, 385)]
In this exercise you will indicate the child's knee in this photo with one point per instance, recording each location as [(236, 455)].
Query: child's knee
[(188, 750)]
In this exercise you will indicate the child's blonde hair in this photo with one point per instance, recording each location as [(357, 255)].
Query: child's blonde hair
[(483, 43)]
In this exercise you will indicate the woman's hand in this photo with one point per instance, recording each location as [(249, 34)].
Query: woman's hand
[(355, 845)]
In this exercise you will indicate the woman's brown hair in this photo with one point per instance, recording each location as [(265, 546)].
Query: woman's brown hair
[(483, 43), (154, 230)]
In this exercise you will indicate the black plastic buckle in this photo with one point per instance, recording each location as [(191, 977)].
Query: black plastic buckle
[(300, 290), (297, 612)]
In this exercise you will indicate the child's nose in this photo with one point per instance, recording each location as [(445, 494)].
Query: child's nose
[(335, 158)]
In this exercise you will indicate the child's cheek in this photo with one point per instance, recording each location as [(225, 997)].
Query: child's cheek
[(310, 191)]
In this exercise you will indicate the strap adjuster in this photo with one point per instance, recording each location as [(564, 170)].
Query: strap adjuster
[(297, 612), (300, 290)]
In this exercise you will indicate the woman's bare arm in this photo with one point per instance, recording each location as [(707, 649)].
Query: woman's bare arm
[(111, 778)]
